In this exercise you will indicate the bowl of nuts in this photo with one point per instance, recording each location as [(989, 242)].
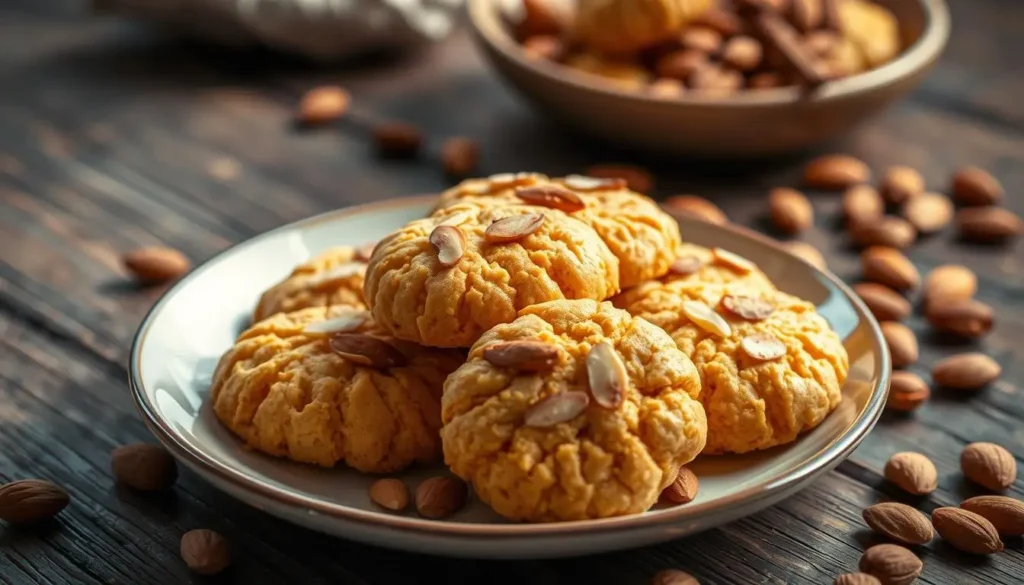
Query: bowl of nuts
[(712, 78)]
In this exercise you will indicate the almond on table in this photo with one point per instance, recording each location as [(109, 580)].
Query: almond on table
[(322, 105)]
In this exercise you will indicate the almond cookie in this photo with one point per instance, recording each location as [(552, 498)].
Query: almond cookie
[(770, 366), (575, 410), (324, 385), (334, 277), (637, 231), (444, 280)]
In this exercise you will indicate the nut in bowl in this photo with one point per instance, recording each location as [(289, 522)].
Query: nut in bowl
[(715, 83)]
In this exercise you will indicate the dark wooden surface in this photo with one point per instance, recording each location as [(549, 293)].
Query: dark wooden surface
[(113, 137)]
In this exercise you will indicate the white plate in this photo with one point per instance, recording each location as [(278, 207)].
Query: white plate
[(180, 341)]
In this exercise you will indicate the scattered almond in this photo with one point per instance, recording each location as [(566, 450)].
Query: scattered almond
[(585, 183), (144, 467), (205, 551), (440, 497), (988, 225), (156, 265), (891, 563), (666, 88), (807, 253), (450, 244), (891, 231), (345, 323), (556, 409), (459, 156), (974, 186), (748, 307), (763, 347), (929, 212), (367, 350), (890, 267), (902, 343), (636, 178), (966, 371), (674, 577), (1006, 514), (731, 260), (397, 139), (970, 319), (322, 105), (835, 171), (706, 319), (950, 283), (683, 489), (913, 472), (551, 196), (606, 375), (856, 579), (514, 228), (790, 210), (907, 392), (334, 276), (523, 355), (862, 204), (899, 522), (743, 53), (31, 500), (989, 465), (883, 302), (697, 207), (967, 531), (900, 184), (390, 493), (700, 38), (686, 265)]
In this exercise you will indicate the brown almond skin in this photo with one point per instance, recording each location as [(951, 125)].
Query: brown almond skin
[(790, 210), (322, 105), (31, 500), (1006, 514), (856, 579), (913, 472), (891, 231), (950, 282), (835, 171), (907, 392), (144, 467), (459, 156), (674, 577), (892, 564), (156, 264), (976, 187), (637, 179), (862, 204), (900, 184), (697, 207), (967, 531), (883, 302), (902, 342), (205, 551), (683, 489), (928, 212), (397, 139), (966, 371), (969, 319), (890, 267), (989, 465), (440, 497), (899, 522), (988, 225)]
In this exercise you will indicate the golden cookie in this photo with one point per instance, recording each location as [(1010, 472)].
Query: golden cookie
[(770, 366), (589, 415), (637, 231), (444, 280), (334, 277), (286, 392)]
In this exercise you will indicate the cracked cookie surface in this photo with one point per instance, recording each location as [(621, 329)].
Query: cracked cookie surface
[(333, 277), (603, 461), (287, 393)]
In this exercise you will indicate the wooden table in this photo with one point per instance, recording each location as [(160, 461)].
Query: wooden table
[(112, 137)]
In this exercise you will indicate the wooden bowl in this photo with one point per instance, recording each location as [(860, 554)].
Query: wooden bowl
[(746, 125)]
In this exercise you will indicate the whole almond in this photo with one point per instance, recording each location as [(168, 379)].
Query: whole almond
[(459, 156), (1006, 514), (683, 489), (807, 253), (743, 53), (674, 577), (883, 302), (790, 210), (948, 283), (701, 38), (967, 531), (928, 212), (440, 497), (681, 64), (324, 104), (862, 204), (974, 186), (988, 225), (367, 350), (902, 343), (856, 579), (907, 392), (666, 88), (697, 207), (524, 355), (912, 472), (156, 265), (607, 377), (989, 465), (966, 371), (205, 552), (450, 243), (397, 139), (636, 178), (144, 467), (390, 493), (892, 564), (835, 171), (31, 500), (890, 267), (556, 409), (514, 228), (551, 196), (889, 230), (970, 319), (901, 184), (899, 522)]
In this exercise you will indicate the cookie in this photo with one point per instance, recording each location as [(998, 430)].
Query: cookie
[(291, 388), (575, 410), (444, 280), (638, 232), (334, 277), (770, 365)]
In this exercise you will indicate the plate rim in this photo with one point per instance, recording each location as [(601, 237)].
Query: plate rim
[(837, 449)]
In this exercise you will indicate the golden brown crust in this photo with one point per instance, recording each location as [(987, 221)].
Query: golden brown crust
[(333, 277)]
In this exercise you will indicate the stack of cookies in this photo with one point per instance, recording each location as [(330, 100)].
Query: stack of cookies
[(604, 353)]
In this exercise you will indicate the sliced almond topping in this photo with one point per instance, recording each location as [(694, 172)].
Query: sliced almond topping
[(606, 375), (551, 196), (365, 252), (584, 183), (450, 244), (556, 409), (734, 261), (334, 276), (528, 356), (686, 265), (344, 323), (763, 346), (458, 219), (511, 229), (508, 180), (746, 307), (706, 319), (367, 350)]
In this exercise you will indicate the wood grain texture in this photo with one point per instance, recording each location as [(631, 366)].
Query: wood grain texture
[(113, 137)]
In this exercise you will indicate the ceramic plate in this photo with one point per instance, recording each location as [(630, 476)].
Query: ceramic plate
[(180, 341)]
